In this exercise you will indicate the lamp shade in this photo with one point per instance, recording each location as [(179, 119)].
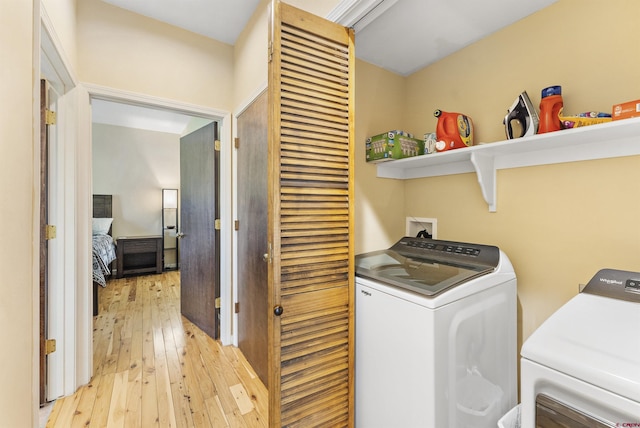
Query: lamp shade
[(169, 198)]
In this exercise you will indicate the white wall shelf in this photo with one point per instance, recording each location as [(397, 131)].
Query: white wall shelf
[(606, 140)]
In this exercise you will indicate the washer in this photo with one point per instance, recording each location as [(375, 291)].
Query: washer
[(581, 367), (435, 335)]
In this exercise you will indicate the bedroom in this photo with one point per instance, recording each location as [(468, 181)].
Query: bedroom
[(136, 154)]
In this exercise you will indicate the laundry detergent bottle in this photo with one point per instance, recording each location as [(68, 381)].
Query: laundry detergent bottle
[(550, 106), (454, 131)]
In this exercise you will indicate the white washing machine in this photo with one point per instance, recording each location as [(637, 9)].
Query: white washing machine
[(435, 335), (581, 367)]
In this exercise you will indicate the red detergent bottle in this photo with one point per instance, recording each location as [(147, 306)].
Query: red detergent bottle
[(454, 131), (550, 106)]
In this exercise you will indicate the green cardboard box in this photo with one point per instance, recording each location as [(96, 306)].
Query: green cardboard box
[(393, 145)]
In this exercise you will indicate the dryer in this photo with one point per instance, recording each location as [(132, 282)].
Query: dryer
[(435, 335), (581, 367)]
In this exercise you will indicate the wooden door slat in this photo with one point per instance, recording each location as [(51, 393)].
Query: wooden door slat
[(318, 62), (292, 98), (315, 110), (316, 44)]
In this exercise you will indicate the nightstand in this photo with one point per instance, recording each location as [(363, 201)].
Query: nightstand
[(138, 254)]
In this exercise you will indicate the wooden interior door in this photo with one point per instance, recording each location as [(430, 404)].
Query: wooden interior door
[(199, 239), (253, 310), (311, 274)]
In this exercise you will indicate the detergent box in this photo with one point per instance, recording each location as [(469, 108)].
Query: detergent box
[(393, 145), (626, 110)]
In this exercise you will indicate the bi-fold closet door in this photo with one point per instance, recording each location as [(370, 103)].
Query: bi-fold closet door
[(310, 247)]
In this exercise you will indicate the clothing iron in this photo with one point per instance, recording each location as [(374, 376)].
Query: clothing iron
[(525, 114)]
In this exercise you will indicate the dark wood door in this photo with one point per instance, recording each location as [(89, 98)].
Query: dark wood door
[(311, 275), (199, 242), (44, 218), (252, 235)]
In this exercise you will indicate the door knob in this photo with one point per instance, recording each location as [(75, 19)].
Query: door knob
[(179, 235), (265, 257), (278, 310)]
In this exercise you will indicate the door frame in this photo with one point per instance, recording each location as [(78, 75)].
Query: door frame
[(226, 208), (63, 373)]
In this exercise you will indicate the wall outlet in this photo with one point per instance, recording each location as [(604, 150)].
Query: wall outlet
[(416, 224)]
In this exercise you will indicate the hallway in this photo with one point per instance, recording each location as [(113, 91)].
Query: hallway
[(155, 368)]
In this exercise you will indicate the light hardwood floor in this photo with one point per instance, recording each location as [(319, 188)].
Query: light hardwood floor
[(155, 368)]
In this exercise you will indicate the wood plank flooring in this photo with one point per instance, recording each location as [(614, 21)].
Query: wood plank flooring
[(155, 368)]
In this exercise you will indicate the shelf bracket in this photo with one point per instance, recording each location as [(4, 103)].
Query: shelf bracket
[(486, 172)]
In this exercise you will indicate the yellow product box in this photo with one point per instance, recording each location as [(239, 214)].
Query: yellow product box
[(584, 119), (393, 145)]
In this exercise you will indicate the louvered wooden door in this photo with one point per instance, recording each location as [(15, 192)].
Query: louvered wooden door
[(310, 220)]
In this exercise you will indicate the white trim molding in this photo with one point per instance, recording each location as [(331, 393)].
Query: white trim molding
[(359, 13), (224, 118)]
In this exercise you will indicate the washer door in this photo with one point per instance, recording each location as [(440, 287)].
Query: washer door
[(552, 414)]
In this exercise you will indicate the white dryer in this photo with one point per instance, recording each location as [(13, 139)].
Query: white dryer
[(435, 336), (581, 367)]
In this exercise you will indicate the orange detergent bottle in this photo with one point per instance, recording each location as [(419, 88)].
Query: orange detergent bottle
[(454, 131), (550, 106)]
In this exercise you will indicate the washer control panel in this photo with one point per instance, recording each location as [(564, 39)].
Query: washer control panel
[(617, 284), (449, 251)]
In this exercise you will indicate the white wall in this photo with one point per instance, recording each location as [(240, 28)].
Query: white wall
[(134, 166)]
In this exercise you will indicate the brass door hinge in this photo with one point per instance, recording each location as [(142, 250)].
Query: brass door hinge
[(50, 346), (50, 232), (237, 308), (236, 142), (236, 225), (50, 117), (216, 224), (217, 303), (216, 145)]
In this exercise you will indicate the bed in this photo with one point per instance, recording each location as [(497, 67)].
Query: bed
[(104, 249)]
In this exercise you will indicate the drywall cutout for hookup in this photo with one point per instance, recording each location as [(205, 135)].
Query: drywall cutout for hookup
[(417, 224)]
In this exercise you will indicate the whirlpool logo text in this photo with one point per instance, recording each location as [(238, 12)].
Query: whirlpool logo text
[(611, 282)]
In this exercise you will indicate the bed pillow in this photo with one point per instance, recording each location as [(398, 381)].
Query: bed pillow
[(101, 226)]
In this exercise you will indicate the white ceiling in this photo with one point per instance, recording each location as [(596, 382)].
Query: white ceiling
[(222, 20), (402, 36), (132, 116), (412, 34)]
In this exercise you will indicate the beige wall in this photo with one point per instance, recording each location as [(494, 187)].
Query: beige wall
[(250, 50), (62, 14), (17, 189), (558, 224), (379, 218), (130, 52)]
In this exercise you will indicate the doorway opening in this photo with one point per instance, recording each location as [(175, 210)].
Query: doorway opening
[(197, 116)]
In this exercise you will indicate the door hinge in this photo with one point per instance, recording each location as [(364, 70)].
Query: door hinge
[(217, 303), (216, 224), (237, 308), (50, 346), (50, 117), (50, 232), (236, 225), (270, 52), (267, 255), (216, 145), (236, 142)]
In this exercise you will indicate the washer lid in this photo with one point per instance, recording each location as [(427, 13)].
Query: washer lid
[(593, 338), (428, 266)]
